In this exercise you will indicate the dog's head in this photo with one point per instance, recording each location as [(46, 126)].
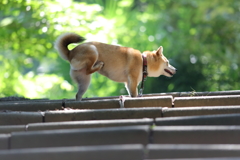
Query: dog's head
[(159, 64)]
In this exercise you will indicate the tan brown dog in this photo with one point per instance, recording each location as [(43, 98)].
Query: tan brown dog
[(120, 64)]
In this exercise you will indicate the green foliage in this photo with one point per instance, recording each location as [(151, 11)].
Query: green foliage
[(201, 39)]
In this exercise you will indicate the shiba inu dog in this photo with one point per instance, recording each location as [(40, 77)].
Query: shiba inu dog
[(120, 64)]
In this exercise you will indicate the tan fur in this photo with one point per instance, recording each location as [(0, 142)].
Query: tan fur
[(120, 64)]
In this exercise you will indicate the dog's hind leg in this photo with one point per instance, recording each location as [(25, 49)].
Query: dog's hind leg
[(83, 65), (87, 59), (94, 66), (83, 81), (92, 62)]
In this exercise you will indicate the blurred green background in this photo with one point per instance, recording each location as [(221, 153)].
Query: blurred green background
[(200, 37)]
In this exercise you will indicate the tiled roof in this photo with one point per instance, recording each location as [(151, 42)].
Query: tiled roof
[(157, 126)]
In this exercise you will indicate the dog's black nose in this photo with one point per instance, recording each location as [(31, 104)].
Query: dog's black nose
[(176, 70)]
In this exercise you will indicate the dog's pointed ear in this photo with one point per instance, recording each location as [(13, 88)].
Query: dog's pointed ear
[(159, 51)]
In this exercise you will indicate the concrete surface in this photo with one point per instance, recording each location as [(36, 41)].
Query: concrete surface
[(156, 101), (173, 151), (16, 118), (196, 135), (101, 114), (224, 119), (80, 137), (207, 101), (93, 104), (89, 124), (206, 110), (12, 128), (4, 141), (111, 152)]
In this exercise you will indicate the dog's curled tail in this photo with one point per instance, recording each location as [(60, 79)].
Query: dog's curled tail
[(64, 40)]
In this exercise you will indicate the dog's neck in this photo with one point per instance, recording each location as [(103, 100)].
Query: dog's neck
[(152, 71)]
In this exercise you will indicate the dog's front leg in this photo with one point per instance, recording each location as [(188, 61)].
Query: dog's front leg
[(131, 87), (83, 81)]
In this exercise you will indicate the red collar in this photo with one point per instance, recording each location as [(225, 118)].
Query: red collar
[(144, 74)]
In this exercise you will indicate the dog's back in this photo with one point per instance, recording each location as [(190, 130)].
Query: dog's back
[(118, 60)]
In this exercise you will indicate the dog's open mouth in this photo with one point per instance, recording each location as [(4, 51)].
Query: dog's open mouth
[(169, 72)]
